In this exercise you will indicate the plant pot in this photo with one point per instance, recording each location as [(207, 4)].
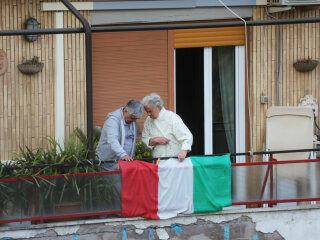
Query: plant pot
[(66, 208), (30, 67), (305, 65)]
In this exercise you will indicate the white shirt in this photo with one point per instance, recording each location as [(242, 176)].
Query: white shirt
[(169, 125)]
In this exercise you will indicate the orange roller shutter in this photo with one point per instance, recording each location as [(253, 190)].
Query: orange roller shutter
[(205, 37), (128, 65)]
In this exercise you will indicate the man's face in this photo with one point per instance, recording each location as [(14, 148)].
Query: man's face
[(151, 111), (129, 118)]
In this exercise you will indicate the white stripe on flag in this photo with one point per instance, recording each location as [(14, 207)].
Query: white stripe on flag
[(175, 189)]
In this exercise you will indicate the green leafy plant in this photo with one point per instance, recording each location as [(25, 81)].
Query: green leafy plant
[(92, 192), (142, 151), (14, 195)]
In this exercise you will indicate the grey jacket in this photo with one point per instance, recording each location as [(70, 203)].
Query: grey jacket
[(111, 142)]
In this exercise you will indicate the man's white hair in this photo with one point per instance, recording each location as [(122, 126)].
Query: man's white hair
[(154, 99), (135, 108)]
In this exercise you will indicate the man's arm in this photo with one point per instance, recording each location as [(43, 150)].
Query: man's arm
[(113, 135)]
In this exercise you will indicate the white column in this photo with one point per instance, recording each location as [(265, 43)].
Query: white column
[(59, 84), (207, 63)]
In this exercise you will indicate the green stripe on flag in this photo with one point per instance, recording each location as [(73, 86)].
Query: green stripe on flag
[(211, 183)]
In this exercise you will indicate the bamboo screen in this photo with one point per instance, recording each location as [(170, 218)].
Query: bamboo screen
[(75, 76), (299, 41), (27, 105)]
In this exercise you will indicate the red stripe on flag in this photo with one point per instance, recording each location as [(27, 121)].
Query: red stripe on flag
[(139, 191)]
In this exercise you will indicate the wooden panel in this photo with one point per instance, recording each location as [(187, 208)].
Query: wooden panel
[(206, 37), (128, 65)]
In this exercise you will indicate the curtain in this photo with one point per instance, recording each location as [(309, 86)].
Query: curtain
[(227, 91)]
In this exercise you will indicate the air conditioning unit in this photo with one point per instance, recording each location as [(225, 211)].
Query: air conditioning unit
[(293, 2)]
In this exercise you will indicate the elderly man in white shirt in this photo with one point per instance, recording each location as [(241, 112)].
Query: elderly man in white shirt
[(164, 131)]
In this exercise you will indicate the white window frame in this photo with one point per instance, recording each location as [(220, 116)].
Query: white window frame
[(207, 75), (240, 91), (239, 99)]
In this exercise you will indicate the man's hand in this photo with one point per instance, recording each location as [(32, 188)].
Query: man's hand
[(159, 140), (182, 155), (126, 158)]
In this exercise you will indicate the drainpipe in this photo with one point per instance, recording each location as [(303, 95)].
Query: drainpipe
[(279, 54), (87, 30), (280, 27), (279, 64)]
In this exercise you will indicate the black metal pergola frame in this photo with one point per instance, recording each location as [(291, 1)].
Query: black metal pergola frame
[(87, 29)]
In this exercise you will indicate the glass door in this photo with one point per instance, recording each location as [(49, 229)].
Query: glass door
[(223, 100), (210, 93), (189, 93)]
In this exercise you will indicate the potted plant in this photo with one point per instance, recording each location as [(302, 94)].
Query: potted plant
[(305, 65), (142, 151), (31, 66), (15, 196), (54, 185)]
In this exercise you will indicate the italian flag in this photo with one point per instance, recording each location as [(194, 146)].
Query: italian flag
[(198, 184)]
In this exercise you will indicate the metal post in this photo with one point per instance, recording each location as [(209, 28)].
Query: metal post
[(151, 27), (272, 159), (88, 43), (203, 25)]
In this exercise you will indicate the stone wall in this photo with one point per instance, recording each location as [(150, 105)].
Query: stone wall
[(261, 223)]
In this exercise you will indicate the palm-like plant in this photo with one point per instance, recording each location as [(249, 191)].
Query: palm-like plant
[(91, 191)]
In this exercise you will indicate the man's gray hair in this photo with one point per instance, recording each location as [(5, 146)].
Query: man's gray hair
[(135, 108), (153, 99)]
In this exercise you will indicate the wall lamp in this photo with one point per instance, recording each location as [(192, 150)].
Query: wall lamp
[(32, 24)]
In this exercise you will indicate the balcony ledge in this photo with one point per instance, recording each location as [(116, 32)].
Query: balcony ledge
[(282, 222)]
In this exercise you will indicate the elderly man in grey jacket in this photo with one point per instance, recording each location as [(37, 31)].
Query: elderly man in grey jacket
[(118, 136)]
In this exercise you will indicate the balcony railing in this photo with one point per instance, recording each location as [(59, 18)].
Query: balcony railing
[(92, 194), (59, 196)]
